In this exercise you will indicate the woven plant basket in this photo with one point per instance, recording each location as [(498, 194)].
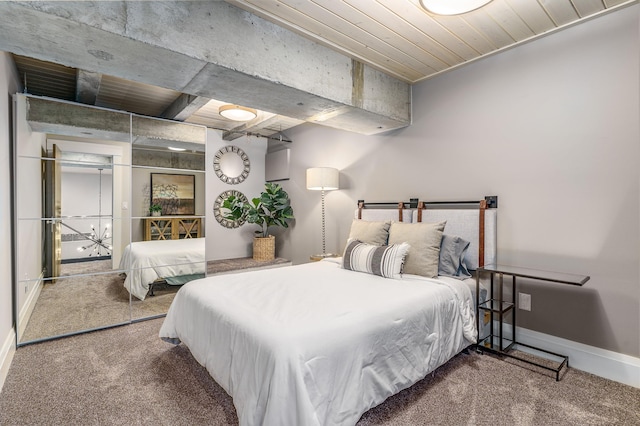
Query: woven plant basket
[(264, 248)]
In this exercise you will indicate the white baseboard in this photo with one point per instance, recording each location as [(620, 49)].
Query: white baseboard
[(29, 305), (601, 362), (7, 350)]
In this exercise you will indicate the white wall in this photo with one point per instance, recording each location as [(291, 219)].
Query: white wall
[(120, 153), (551, 127), (224, 243), (9, 84), (28, 209), (85, 193)]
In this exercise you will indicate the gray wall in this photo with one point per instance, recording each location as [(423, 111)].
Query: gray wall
[(224, 243), (551, 127)]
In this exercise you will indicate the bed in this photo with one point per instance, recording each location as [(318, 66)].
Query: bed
[(321, 343), (172, 261)]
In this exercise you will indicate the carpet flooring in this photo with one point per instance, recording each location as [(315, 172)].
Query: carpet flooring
[(128, 376), (80, 302)]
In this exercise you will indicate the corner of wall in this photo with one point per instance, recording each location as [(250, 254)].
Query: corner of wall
[(7, 350)]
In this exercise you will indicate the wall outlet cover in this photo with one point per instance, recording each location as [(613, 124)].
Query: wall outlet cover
[(524, 301)]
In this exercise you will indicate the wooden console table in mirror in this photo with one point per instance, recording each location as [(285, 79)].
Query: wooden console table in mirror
[(172, 227)]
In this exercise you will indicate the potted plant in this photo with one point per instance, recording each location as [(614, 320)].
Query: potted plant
[(272, 208), (155, 210)]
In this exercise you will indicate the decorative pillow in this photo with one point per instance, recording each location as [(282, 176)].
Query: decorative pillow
[(385, 261), (424, 240), (375, 233), (452, 252)]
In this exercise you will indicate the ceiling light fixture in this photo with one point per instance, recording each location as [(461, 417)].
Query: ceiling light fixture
[(452, 7), (173, 148), (237, 112)]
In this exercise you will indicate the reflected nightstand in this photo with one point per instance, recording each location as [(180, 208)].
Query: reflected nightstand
[(317, 257)]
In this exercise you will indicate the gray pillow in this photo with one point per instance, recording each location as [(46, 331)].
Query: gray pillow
[(452, 252), (424, 241), (369, 232), (385, 261)]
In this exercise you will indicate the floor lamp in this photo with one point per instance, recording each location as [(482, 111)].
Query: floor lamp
[(323, 179)]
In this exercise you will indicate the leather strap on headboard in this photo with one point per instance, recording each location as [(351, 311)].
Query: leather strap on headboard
[(401, 207), (483, 207)]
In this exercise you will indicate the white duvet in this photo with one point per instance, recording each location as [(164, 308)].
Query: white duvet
[(315, 344), (146, 261)]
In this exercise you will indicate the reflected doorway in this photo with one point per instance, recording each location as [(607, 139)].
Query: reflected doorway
[(83, 286)]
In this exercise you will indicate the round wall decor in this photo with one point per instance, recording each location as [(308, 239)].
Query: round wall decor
[(231, 164), (219, 212)]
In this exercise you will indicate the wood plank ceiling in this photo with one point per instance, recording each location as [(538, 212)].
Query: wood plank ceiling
[(397, 37), (401, 39)]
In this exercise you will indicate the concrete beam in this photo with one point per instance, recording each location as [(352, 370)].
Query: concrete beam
[(155, 132), (243, 129), (71, 119), (183, 107), (87, 86), (212, 50)]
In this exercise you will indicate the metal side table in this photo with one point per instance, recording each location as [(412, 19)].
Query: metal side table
[(497, 308)]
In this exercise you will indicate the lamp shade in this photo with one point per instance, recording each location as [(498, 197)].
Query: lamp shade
[(323, 178)]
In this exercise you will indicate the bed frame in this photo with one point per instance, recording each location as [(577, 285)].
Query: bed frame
[(239, 327), (477, 225)]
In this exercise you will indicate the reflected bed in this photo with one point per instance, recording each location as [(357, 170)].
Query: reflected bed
[(174, 261)]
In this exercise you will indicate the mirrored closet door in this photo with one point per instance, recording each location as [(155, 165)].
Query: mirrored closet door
[(80, 206), (168, 212)]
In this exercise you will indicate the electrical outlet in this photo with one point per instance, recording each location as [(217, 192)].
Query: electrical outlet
[(524, 301)]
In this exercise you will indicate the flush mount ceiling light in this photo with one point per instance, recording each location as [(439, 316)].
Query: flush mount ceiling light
[(237, 112), (173, 148), (452, 7)]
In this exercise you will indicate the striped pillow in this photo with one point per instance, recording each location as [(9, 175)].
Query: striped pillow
[(385, 261)]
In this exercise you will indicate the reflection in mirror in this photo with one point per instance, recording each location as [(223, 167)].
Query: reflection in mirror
[(167, 248), (67, 215), (79, 205)]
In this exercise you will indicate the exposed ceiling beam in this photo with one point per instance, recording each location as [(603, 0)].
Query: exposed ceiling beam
[(183, 107), (208, 49), (258, 123), (71, 119), (87, 86)]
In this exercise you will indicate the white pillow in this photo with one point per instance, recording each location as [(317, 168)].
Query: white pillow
[(424, 239), (385, 261), (370, 232)]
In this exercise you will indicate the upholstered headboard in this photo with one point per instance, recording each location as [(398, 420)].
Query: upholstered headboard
[(474, 221)]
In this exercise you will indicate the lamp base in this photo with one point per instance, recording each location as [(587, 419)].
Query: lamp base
[(316, 257)]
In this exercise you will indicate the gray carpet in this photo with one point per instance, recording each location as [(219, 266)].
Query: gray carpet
[(128, 376), (77, 303)]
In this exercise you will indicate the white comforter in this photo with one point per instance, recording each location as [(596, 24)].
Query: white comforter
[(316, 344), (146, 261)]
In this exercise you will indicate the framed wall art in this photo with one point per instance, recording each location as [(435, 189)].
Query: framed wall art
[(175, 193)]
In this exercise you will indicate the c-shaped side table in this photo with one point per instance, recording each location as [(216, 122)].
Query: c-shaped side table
[(497, 343)]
